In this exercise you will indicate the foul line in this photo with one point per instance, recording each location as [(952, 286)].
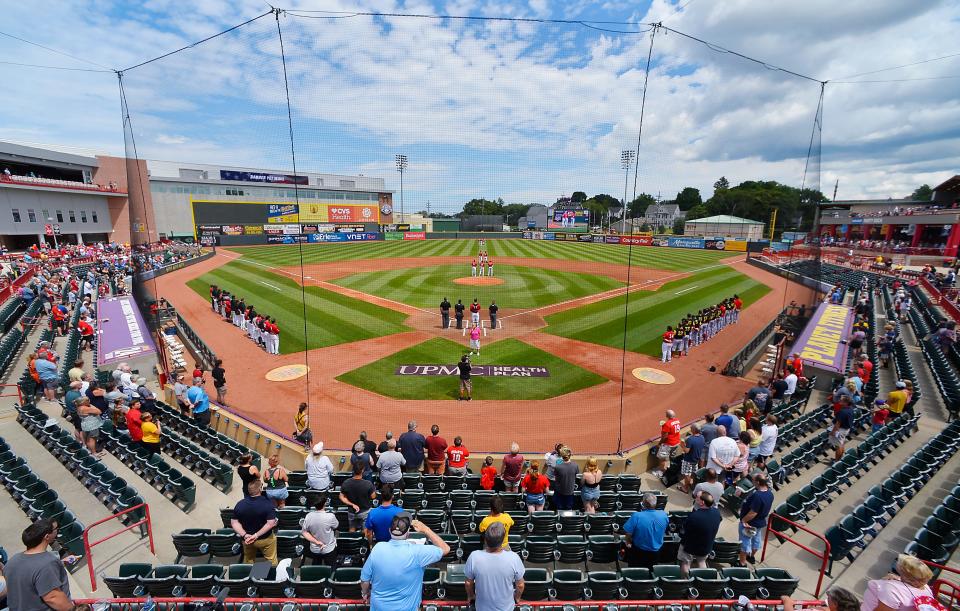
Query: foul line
[(273, 286), (685, 290)]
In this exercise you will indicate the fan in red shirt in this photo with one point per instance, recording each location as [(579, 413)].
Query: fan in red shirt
[(436, 451), (475, 312), (86, 333), (864, 368), (669, 441), (457, 457), (488, 474), (535, 486)]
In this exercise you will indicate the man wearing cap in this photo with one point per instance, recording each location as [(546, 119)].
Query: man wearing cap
[(494, 575), (392, 577), (319, 468), (896, 399)]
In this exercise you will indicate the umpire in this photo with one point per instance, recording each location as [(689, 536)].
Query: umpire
[(445, 313), (458, 309)]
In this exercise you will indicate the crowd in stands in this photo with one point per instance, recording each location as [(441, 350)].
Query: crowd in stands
[(162, 254), (695, 329)]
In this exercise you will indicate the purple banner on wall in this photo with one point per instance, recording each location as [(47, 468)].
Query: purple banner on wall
[(823, 343), (122, 333), (502, 371)]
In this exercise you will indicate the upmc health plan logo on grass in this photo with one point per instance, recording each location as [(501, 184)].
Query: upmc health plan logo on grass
[(505, 371)]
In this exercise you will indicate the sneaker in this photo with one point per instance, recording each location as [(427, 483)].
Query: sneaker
[(752, 559)]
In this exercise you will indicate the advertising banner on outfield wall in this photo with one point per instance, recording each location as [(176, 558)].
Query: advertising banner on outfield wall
[(684, 242), (294, 239), (283, 179), (273, 229), (392, 235), (343, 237), (291, 229), (585, 238), (340, 213), (209, 229), (282, 213), (714, 244), (735, 245), (630, 240), (232, 229), (252, 230), (549, 235), (612, 239), (415, 235)]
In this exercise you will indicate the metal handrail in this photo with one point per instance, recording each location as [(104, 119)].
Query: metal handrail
[(824, 557), (735, 365), (88, 547)]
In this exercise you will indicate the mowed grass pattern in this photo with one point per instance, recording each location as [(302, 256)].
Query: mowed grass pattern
[(331, 318), (380, 376), (675, 259), (523, 287), (649, 313)]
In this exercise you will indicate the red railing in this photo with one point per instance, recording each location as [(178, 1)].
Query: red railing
[(88, 547), (823, 556), (18, 394), (25, 277), (947, 592), (311, 604), (948, 306)]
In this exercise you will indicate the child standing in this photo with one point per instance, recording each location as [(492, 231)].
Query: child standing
[(488, 474)]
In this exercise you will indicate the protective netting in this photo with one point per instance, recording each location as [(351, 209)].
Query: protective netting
[(299, 93)]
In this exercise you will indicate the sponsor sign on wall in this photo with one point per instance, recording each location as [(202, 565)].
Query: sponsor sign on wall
[(684, 242), (232, 229), (290, 229), (209, 229), (714, 244), (823, 342), (397, 227), (549, 235), (273, 229), (632, 240), (414, 235), (504, 371), (612, 239), (392, 235), (340, 213), (282, 213), (735, 245), (252, 229), (358, 228), (585, 238), (278, 179), (294, 239)]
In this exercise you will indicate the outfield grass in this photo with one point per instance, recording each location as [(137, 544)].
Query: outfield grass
[(331, 318), (675, 259), (380, 378), (523, 287), (651, 312)]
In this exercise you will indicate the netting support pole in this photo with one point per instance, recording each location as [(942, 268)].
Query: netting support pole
[(296, 197), (626, 297)]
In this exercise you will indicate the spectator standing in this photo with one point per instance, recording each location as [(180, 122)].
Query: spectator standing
[(134, 418), (151, 434), (768, 440), (512, 470), (36, 578), (497, 515), (319, 468), (464, 368), (320, 531), (199, 404), (741, 465), (693, 447), (730, 424), (535, 486), (445, 314), (301, 423), (76, 372), (457, 457), (412, 445), (879, 415), (791, 379), (550, 462), (590, 485), (275, 481), (147, 398), (494, 574), (753, 519), (377, 524), (180, 390), (699, 532), (723, 451), (566, 481), (392, 576), (669, 442), (710, 485), (254, 519), (361, 457), (842, 424), (247, 472), (896, 399), (49, 377), (436, 451), (90, 423), (219, 381), (488, 474), (709, 432), (357, 494), (390, 464), (760, 395), (644, 532), (382, 447)]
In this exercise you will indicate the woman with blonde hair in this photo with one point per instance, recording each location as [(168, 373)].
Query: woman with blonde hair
[(590, 486), (902, 590), (275, 481)]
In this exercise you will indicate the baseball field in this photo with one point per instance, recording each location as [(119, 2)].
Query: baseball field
[(364, 311)]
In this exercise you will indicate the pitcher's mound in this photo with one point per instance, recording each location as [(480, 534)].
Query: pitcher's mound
[(478, 280)]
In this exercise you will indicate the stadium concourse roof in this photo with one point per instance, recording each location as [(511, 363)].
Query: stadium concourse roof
[(726, 219)]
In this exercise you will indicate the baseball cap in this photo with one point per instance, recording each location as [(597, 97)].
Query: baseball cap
[(318, 448), (879, 402), (400, 526), (901, 384)]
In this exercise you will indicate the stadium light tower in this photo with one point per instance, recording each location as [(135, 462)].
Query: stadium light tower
[(626, 160), (401, 166)]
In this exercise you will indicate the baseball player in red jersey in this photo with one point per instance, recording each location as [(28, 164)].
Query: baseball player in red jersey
[(666, 349), (473, 268), (490, 268), (475, 312)]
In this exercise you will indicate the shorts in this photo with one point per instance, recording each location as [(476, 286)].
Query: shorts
[(687, 558), (839, 438), (357, 520), (665, 451), (535, 499), (475, 344), (456, 470), (91, 434), (753, 453), (590, 493), (466, 385), (749, 542), (688, 468), (221, 390), (277, 494), (51, 384)]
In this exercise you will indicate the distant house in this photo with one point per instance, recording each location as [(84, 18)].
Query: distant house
[(663, 215), (725, 226)]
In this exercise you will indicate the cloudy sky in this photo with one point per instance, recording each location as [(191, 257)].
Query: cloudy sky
[(523, 110)]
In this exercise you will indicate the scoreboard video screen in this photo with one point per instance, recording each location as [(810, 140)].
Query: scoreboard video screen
[(573, 219)]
